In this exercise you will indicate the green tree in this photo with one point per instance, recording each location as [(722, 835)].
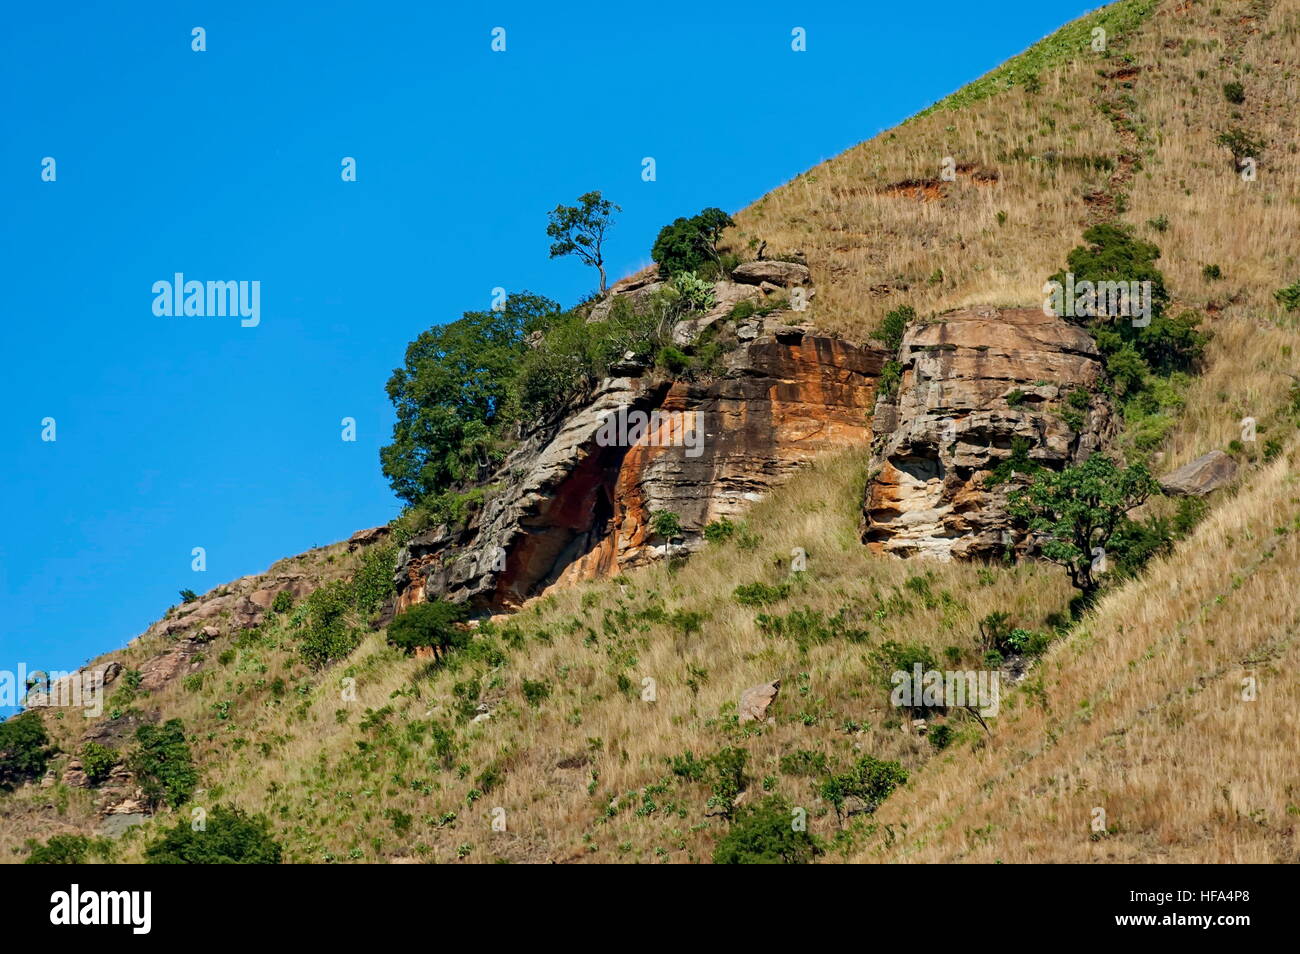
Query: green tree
[(229, 837), (894, 325), (430, 625), (61, 850), (455, 395), (580, 230), (97, 761), (870, 781), (688, 244), (1079, 509), (24, 749), (162, 765), (765, 834)]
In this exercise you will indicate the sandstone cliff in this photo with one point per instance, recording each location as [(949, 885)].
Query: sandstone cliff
[(975, 384)]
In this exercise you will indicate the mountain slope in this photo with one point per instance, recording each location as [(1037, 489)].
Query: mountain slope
[(1136, 709)]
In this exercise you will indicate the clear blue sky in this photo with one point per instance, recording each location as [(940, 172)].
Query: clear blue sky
[(181, 432)]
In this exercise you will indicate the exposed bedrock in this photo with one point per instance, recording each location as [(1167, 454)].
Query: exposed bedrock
[(974, 384), (569, 503)]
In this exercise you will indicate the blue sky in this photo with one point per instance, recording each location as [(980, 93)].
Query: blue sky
[(180, 432)]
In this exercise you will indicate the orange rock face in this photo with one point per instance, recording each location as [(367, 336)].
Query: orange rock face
[(706, 451)]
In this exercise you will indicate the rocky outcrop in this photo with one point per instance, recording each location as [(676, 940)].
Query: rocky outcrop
[(1204, 475), (976, 386), (575, 501), (756, 700)]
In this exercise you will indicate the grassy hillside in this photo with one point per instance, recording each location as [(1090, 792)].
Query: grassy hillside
[(1136, 709)]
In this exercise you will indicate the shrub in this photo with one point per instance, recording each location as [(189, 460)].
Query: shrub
[(666, 524), (672, 360), (764, 834), (535, 691), (162, 765), (230, 837), (940, 736), (1289, 297), (188, 596), (1211, 273), (283, 602), (326, 633), (63, 850), (1234, 93), (718, 530), (803, 762), (690, 244), (97, 761), (24, 749), (696, 293), (1241, 144), (891, 374), (870, 782), (760, 594), (432, 625), (729, 779), (894, 325), (372, 583)]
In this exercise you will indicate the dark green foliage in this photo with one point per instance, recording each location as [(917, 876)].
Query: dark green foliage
[(1241, 144), (1112, 253), (372, 583), (97, 761), (764, 834), (66, 850), (580, 229), (687, 766), (894, 325), (691, 245), (808, 627), (1079, 509), (1018, 464), (1289, 297), (456, 394), (940, 736), (283, 602), (24, 750), (672, 360), (870, 781), (760, 594), (719, 530), (803, 762), (162, 765), (666, 524), (1212, 273), (891, 374), (535, 691), (729, 779), (188, 596), (1234, 93), (231, 837), (326, 634), (431, 625), (998, 636)]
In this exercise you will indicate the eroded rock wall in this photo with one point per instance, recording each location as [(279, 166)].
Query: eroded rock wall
[(974, 382), (570, 506)]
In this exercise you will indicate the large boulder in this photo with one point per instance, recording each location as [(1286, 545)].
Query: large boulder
[(1207, 473), (784, 274), (975, 384)]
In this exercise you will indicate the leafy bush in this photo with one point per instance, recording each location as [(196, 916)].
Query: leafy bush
[(1289, 297), (1234, 93), (535, 691), (666, 524), (64, 850), (718, 530), (283, 602), (894, 325), (764, 834), (1211, 273), (729, 779), (97, 761), (372, 583), (326, 634), (1241, 144), (24, 749), (162, 765), (870, 781), (431, 625), (691, 244), (760, 594), (803, 762), (809, 627), (230, 837), (188, 596), (891, 375)]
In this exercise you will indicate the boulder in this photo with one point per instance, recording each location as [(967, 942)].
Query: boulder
[(975, 383), (782, 274), (1207, 473), (364, 538), (755, 700)]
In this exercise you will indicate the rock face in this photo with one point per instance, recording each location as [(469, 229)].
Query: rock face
[(1207, 473), (976, 384), (784, 274), (755, 701), (575, 502)]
